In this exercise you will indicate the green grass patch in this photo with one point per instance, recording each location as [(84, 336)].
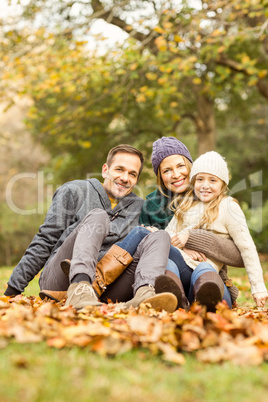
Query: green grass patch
[(39, 373)]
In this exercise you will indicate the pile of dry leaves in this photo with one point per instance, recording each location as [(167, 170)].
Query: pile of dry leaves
[(240, 335)]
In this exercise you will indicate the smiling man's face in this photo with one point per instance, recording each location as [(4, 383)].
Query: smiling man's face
[(122, 175)]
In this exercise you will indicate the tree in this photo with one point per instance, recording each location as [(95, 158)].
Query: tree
[(206, 49), (182, 62), (183, 69)]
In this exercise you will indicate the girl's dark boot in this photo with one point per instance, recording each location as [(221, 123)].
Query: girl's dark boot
[(170, 282), (208, 290)]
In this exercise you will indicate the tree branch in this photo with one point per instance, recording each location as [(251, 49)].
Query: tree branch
[(184, 116), (108, 16), (235, 66)]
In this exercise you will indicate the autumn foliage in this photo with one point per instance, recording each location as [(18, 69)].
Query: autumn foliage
[(239, 335)]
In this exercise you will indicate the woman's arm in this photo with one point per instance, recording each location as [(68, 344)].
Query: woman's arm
[(214, 246)]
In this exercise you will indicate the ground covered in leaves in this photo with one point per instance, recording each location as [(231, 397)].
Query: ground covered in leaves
[(240, 335)]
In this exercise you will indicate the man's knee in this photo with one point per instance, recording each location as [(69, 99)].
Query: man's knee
[(98, 215), (161, 236), (159, 240), (96, 221)]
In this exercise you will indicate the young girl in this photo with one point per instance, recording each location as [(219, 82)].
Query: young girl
[(207, 206)]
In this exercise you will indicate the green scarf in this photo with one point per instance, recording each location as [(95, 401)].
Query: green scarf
[(155, 211)]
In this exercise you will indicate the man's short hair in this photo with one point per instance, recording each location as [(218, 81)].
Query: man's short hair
[(124, 148)]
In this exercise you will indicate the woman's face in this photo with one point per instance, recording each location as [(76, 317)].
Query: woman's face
[(174, 173)]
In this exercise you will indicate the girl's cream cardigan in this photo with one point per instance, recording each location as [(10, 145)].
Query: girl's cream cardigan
[(231, 222)]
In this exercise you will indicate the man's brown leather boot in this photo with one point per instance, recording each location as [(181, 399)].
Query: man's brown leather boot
[(108, 269)]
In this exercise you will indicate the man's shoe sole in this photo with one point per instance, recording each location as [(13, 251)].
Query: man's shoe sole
[(52, 295), (165, 301)]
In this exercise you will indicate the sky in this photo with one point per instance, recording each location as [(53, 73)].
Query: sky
[(112, 33)]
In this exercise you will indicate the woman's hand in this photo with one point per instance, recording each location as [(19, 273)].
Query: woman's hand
[(151, 228), (180, 239), (260, 298), (195, 255)]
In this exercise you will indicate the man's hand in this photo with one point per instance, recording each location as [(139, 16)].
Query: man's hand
[(180, 239), (195, 255), (260, 298), (12, 292)]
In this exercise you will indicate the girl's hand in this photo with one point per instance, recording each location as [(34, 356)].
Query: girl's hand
[(260, 298), (195, 255), (151, 228), (180, 239)]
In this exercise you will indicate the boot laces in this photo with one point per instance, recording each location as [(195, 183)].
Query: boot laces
[(82, 288)]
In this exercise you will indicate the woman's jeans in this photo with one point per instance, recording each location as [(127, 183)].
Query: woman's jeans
[(133, 239), (176, 263)]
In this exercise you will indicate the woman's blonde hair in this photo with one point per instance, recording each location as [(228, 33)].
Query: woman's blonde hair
[(190, 199), (160, 184)]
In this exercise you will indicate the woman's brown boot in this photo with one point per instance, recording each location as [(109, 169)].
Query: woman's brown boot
[(170, 282), (108, 269), (208, 290)]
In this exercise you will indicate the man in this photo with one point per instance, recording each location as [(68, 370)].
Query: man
[(84, 221)]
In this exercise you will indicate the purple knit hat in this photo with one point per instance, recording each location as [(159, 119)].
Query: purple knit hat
[(167, 146)]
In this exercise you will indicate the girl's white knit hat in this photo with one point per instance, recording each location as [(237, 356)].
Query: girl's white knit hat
[(213, 163)]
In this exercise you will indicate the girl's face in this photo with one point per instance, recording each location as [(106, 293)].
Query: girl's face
[(207, 186), (174, 173)]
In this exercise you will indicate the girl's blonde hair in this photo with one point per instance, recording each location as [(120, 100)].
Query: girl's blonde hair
[(190, 199), (162, 188)]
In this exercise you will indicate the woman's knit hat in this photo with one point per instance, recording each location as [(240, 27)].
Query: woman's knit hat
[(167, 146), (213, 163)]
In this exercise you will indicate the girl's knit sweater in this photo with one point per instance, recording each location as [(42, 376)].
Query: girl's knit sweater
[(230, 223)]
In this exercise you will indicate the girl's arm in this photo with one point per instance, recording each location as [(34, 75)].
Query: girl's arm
[(235, 222)]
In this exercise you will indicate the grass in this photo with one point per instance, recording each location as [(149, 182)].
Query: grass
[(35, 372)]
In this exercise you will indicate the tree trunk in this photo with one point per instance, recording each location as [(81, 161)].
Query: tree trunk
[(205, 123)]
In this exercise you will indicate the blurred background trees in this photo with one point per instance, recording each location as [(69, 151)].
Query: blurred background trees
[(196, 70)]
